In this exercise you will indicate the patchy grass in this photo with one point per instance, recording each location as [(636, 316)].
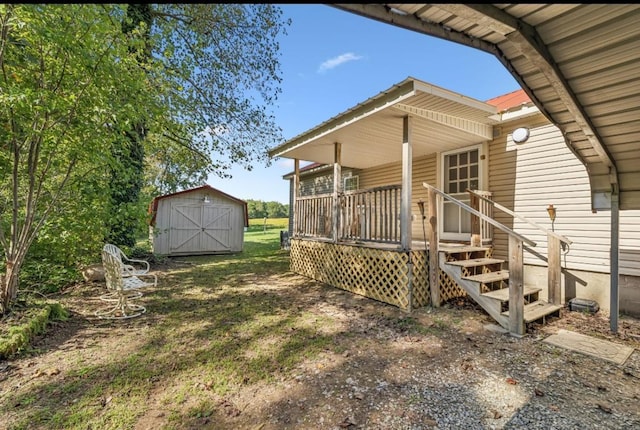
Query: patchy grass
[(216, 324)]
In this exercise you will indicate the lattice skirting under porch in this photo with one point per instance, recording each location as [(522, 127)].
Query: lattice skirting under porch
[(380, 274)]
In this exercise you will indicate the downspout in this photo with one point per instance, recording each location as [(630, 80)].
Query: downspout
[(614, 259)]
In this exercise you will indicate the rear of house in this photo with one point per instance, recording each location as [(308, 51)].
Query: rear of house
[(201, 220), (454, 144)]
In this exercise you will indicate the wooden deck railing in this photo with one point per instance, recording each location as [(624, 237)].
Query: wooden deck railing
[(364, 215), (314, 216), (371, 215)]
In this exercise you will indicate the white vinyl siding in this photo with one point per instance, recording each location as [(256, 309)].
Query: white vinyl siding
[(529, 177)]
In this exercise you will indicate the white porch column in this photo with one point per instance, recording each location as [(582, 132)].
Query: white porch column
[(405, 204), (296, 193), (337, 189)]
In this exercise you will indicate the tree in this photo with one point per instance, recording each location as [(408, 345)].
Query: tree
[(66, 79), (260, 209), (216, 71)]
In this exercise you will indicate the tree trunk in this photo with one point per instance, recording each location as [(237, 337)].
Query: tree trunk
[(127, 175), (9, 285)]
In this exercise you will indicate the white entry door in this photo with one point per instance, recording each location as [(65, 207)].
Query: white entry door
[(461, 170), (200, 228)]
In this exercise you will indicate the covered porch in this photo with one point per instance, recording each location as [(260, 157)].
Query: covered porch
[(373, 238)]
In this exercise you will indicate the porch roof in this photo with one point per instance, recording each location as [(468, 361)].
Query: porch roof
[(371, 132)]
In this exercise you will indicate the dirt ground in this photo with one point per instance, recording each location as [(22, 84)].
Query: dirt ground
[(386, 369)]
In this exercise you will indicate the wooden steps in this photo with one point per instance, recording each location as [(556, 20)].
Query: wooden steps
[(475, 262), (537, 310), (484, 280), (487, 278), (503, 293)]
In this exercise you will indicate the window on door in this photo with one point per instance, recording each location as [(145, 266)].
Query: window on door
[(461, 171)]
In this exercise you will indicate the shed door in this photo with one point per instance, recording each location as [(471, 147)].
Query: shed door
[(200, 228)]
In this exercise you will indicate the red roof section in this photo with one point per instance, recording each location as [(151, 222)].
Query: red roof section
[(510, 100), (153, 206)]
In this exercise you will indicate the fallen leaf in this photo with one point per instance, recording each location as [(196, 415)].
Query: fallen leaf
[(512, 381), (539, 393), (554, 408), (496, 415)]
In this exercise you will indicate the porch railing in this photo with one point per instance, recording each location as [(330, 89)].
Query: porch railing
[(314, 216), (371, 215)]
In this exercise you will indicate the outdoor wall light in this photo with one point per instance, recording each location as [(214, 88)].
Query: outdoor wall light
[(552, 215), (206, 199), (520, 134)]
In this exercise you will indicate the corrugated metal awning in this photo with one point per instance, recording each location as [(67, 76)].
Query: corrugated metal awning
[(579, 63)]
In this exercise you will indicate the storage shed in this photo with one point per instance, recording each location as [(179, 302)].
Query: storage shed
[(200, 220)]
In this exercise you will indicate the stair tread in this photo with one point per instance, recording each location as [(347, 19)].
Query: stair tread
[(475, 262), (536, 310), (503, 293), (484, 278), (453, 249)]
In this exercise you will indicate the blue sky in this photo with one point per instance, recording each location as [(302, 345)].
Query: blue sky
[(332, 60)]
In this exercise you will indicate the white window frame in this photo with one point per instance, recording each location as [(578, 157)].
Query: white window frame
[(347, 179), (442, 171)]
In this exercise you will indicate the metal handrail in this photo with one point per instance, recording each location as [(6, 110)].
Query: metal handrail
[(481, 215), (521, 218)]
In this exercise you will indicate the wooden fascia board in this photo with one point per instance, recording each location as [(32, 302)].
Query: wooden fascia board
[(463, 124)]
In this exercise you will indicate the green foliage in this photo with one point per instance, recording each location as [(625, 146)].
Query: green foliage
[(216, 70), (260, 209), (18, 337), (67, 84)]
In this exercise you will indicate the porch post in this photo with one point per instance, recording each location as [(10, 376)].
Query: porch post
[(337, 189), (296, 193), (405, 206)]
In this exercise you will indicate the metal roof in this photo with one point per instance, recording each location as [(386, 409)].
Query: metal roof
[(579, 63), (442, 120)]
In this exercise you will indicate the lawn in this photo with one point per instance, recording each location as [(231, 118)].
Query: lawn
[(215, 323), (240, 342)]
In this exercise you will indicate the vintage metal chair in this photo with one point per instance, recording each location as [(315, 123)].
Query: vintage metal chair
[(131, 268), (121, 283)]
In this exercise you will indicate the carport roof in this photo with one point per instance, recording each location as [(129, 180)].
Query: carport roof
[(579, 63)]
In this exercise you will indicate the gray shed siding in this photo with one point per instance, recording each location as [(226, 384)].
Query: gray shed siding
[(186, 224)]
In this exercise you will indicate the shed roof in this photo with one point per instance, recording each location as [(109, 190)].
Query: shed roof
[(153, 206), (579, 64)]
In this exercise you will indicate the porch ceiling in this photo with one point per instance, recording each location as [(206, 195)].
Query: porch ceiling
[(579, 63), (371, 132)]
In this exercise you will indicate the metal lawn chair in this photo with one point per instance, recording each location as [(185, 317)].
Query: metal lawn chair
[(131, 269), (123, 285)]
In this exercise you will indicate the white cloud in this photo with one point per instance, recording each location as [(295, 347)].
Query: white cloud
[(337, 61)]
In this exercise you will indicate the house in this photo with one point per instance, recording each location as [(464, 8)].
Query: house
[(386, 171), (201, 220)]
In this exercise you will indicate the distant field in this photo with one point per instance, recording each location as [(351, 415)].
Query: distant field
[(259, 224)]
